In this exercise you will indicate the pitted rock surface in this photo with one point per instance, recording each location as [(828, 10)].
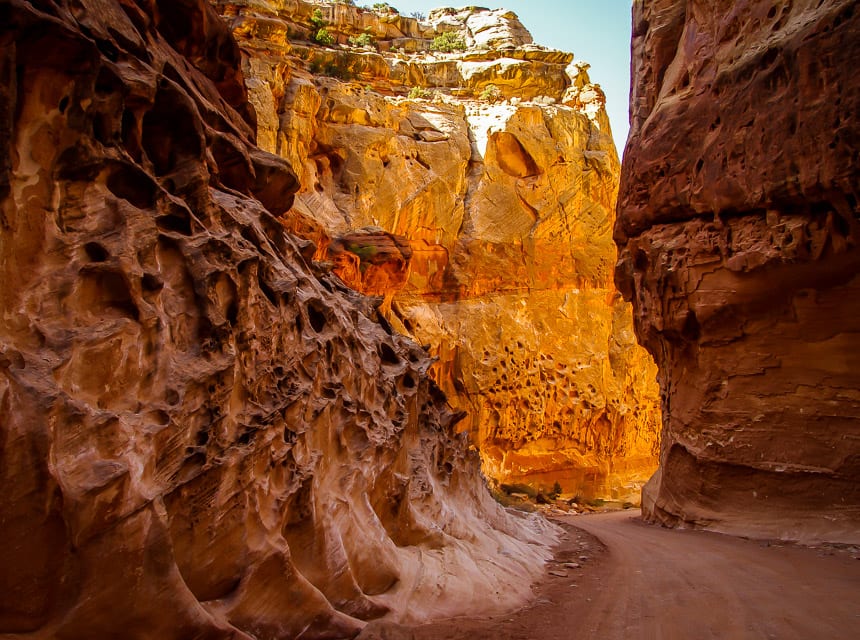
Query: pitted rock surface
[(738, 233), (507, 202), (204, 434)]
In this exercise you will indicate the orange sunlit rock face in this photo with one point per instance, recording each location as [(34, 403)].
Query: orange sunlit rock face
[(738, 234), (371, 261), (501, 174)]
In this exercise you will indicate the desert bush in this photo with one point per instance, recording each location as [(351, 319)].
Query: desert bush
[(448, 42), (363, 40), (319, 33), (491, 93), (323, 37)]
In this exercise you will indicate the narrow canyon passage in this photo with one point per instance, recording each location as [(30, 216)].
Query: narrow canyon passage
[(637, 581), (311, 311)]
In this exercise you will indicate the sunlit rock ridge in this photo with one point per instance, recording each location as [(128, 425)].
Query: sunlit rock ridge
[(472, 191)]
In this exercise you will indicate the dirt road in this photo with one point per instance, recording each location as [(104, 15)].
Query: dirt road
[(690, 584), (641, 582)]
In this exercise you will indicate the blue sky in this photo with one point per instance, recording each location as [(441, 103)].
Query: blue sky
[(597, 31)]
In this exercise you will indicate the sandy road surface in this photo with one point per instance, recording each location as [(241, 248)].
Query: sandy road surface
[(663, 583), (641, 582)]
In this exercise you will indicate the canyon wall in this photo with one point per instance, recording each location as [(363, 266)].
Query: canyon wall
[(738, 233), (473, 192), (203, 433)]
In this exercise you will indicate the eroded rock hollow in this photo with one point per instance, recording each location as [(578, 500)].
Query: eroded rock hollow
[(473, 192), (203, 434), (738, 232)]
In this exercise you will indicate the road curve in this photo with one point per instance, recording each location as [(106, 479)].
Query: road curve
[(615, 578), (665, 584)]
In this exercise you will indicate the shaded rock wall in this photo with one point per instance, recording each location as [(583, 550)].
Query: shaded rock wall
[(738, 233), (505, 206), (200, 434)]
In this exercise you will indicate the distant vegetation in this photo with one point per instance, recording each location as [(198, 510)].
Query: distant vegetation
[(364, 40), (418, 92), (448, 42), (384, 7), (491, 93), (319, 33)]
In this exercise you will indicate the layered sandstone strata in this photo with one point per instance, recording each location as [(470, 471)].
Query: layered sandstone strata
[(738, 228), (503, 200), (203, 434)]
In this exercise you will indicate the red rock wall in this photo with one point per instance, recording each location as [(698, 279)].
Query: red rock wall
[(202, 434), (738, 232)]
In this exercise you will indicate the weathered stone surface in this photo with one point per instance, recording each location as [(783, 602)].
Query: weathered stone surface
[(204, 435), (738, 229), (507, 206), (500, 53)]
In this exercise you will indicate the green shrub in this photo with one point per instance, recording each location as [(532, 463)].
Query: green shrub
[(491, 93), (364, 40), (319, 33), (323, 37), (448, 42), (418, 92), (317, 20), (556, 491)]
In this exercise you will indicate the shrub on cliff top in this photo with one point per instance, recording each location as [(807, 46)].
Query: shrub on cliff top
[(384, 7), (448, 42)]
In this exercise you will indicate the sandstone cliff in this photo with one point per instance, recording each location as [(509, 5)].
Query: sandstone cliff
[(474, 192), (203, 434), (738, 228)]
